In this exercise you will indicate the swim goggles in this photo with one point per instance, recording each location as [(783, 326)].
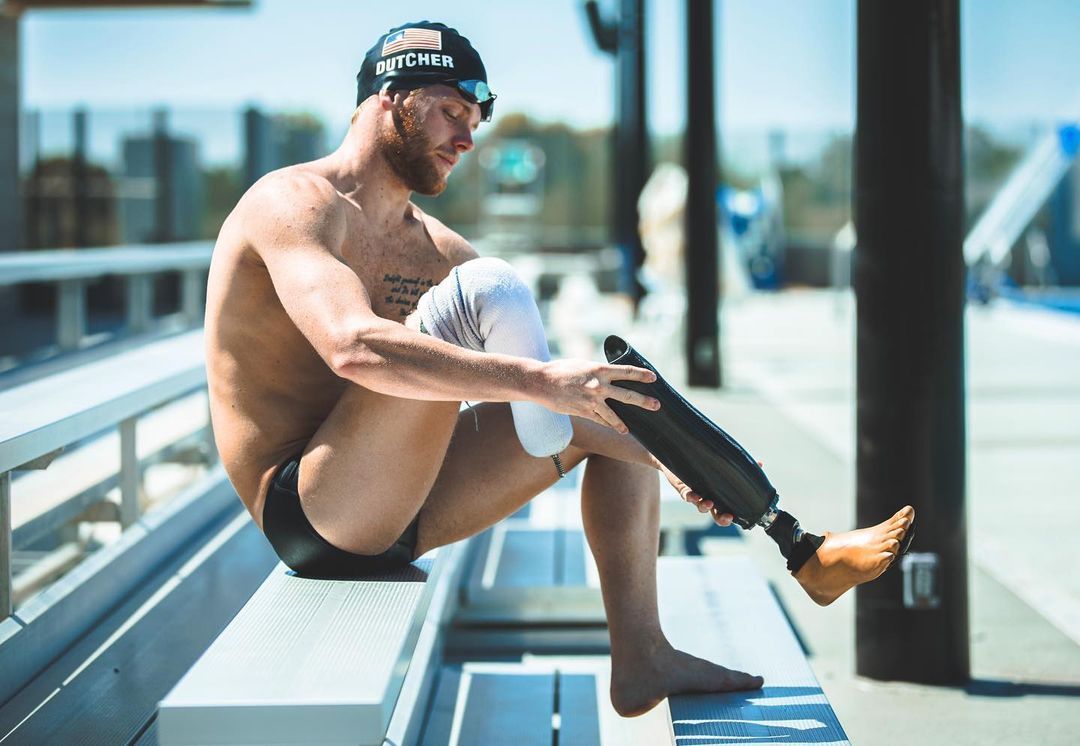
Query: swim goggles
[(474, 91), (477, 92)]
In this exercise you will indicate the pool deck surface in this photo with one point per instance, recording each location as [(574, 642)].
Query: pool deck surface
[(789, 398)]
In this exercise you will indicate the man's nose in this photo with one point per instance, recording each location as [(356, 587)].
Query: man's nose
[(463, 142)]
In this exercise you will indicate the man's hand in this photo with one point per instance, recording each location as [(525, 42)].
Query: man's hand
[(703, 505), (581, 388)]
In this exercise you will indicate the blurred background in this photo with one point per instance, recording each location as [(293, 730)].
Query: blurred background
[(146, 125), (127, 135)]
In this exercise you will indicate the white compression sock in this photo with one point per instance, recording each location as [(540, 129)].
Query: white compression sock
[(483, 305)]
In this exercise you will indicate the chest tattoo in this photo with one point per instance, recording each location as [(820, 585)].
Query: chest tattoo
[(403, 293)]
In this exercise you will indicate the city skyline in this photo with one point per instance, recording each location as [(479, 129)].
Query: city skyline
[(780, 65)]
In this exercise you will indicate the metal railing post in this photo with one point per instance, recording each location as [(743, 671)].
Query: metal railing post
[(191, 296), (71, 314), (7, 605), (140, 290), (129, 474)]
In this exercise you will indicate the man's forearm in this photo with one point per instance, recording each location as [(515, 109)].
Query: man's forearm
[(388, 358)]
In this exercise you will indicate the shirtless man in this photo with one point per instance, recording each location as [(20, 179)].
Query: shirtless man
[(337, 416)]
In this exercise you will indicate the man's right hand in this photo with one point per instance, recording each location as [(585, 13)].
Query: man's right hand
[(581, 388)]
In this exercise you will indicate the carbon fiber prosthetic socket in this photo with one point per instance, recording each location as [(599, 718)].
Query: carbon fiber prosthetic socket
[(707, 459)]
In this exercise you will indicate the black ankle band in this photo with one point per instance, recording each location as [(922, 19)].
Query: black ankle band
[(796, 545), (804, 549)]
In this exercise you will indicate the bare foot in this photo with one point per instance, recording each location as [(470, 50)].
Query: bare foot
[(848, 559), (638, 686)]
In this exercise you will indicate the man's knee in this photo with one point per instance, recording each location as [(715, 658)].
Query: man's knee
[(493, 283), (475, 297)]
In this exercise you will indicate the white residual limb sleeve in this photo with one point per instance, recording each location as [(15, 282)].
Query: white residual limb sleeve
[(483, 305)]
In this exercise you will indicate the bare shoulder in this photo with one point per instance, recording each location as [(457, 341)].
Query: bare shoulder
[(449, 243), (287, 207)]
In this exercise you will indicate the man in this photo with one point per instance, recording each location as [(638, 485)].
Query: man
[(336, 407)]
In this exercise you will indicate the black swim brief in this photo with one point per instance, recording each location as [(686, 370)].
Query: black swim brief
[(301, 547)]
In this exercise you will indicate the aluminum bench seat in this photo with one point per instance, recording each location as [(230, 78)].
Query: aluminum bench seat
[(310, 661)]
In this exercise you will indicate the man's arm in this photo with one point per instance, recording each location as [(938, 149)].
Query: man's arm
[(299, 229), (301, 225)]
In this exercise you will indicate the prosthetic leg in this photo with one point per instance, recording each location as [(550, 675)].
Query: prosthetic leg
[(707, 459)]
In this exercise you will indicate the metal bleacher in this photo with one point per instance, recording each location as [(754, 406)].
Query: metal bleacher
[(185, 628)]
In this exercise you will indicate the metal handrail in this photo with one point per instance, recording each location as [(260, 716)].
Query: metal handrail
[(162, 370), (73, 269), (37, 419), (87, 264)]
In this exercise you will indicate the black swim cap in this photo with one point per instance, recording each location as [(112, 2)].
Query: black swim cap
[(419, 54)]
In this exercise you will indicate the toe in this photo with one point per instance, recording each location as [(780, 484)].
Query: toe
[(741, 681)]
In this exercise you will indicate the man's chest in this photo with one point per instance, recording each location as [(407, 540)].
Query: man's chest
[(396, 275)]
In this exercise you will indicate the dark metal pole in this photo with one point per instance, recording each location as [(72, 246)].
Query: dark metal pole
[(31, 231), (80, 179), (702, 249), (10, 202), (632, 142), (256, 145), (626, 40), (163, 176), (911, 624)]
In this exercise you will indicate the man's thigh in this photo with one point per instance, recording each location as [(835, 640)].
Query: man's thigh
[(485, 477), (370, 466)]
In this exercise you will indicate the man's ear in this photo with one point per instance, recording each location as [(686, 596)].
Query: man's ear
[(389, 100)]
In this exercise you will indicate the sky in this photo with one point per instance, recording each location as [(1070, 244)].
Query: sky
[(782, 63)]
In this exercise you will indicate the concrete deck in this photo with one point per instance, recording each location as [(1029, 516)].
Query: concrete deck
[(789, 365)]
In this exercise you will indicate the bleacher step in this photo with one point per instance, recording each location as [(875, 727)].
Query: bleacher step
[(521, 574), (721, 609), (540, 700)]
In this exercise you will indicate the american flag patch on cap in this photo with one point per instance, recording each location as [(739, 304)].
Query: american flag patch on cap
[(412, 38)]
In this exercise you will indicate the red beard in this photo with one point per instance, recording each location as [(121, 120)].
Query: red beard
[(410, 153)]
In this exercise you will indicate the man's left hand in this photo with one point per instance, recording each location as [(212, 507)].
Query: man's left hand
[(703, 505)]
